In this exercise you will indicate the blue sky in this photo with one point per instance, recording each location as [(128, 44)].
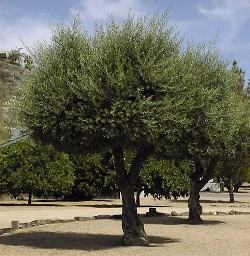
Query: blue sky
[(199, 20)]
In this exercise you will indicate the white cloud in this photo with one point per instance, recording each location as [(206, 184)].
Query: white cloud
[(26, 29), (101, 9), (234, 12)]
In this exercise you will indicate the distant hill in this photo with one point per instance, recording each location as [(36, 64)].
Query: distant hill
[(10, 75)]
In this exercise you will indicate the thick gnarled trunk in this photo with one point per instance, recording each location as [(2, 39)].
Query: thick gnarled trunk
[(195, 209), (133, 228), (199, 176)]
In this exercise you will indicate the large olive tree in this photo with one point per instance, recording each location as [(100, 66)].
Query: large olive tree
[(117, 89)]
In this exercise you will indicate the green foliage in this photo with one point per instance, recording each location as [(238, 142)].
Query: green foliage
[(159, 178), (118, 87), (234, 164), (26, 167), (96, 177), (239, 79), (28, 61), (87, 172), (235, 170), (92, 177), (165, 178)]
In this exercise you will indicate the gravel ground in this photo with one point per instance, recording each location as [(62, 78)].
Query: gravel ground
[(219, 235)]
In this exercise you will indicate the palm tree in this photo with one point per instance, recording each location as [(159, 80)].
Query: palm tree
[(15, 56)]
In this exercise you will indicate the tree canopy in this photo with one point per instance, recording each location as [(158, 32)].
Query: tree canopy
[(30, 168)]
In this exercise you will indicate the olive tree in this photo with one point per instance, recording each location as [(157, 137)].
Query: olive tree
[(217, 115), (114, 90), (234, 172), (234, 164)]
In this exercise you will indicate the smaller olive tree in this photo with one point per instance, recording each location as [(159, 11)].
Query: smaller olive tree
[(33, 169), (234, 163), (234, 171), (218, 120)]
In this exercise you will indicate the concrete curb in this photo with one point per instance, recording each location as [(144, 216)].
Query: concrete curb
[(16, 225)]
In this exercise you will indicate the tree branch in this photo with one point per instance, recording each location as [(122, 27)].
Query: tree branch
[(137, 163), (119, 164), (197, 173), (209, 171)]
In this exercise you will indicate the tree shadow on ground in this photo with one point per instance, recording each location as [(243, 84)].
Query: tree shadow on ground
[(72, 241), (42, 204), (241, 192), (52, 202), (118, 206), (35, 204), (173, 220), (202, 201)]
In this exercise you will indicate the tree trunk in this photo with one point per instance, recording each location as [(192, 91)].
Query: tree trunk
[(231, 191), (30, 198), (199, 176), (133, 228), (237, 185), (195, 209), (138, 200)]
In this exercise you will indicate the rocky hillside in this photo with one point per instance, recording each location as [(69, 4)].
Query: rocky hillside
[(10, 75)]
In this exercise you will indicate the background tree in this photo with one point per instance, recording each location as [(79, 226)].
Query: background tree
[(159, 178), (234, 164), (93, 177), (33, 169), (216, 116), (234, 172), (15, 56)]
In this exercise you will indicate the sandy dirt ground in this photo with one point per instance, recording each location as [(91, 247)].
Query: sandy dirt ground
[(219, 235), (18, 210)]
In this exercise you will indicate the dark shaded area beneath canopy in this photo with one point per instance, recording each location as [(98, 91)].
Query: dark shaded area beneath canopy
[(173, 220), (72, 241)]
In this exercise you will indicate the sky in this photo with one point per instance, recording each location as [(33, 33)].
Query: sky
[(226, 21)]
